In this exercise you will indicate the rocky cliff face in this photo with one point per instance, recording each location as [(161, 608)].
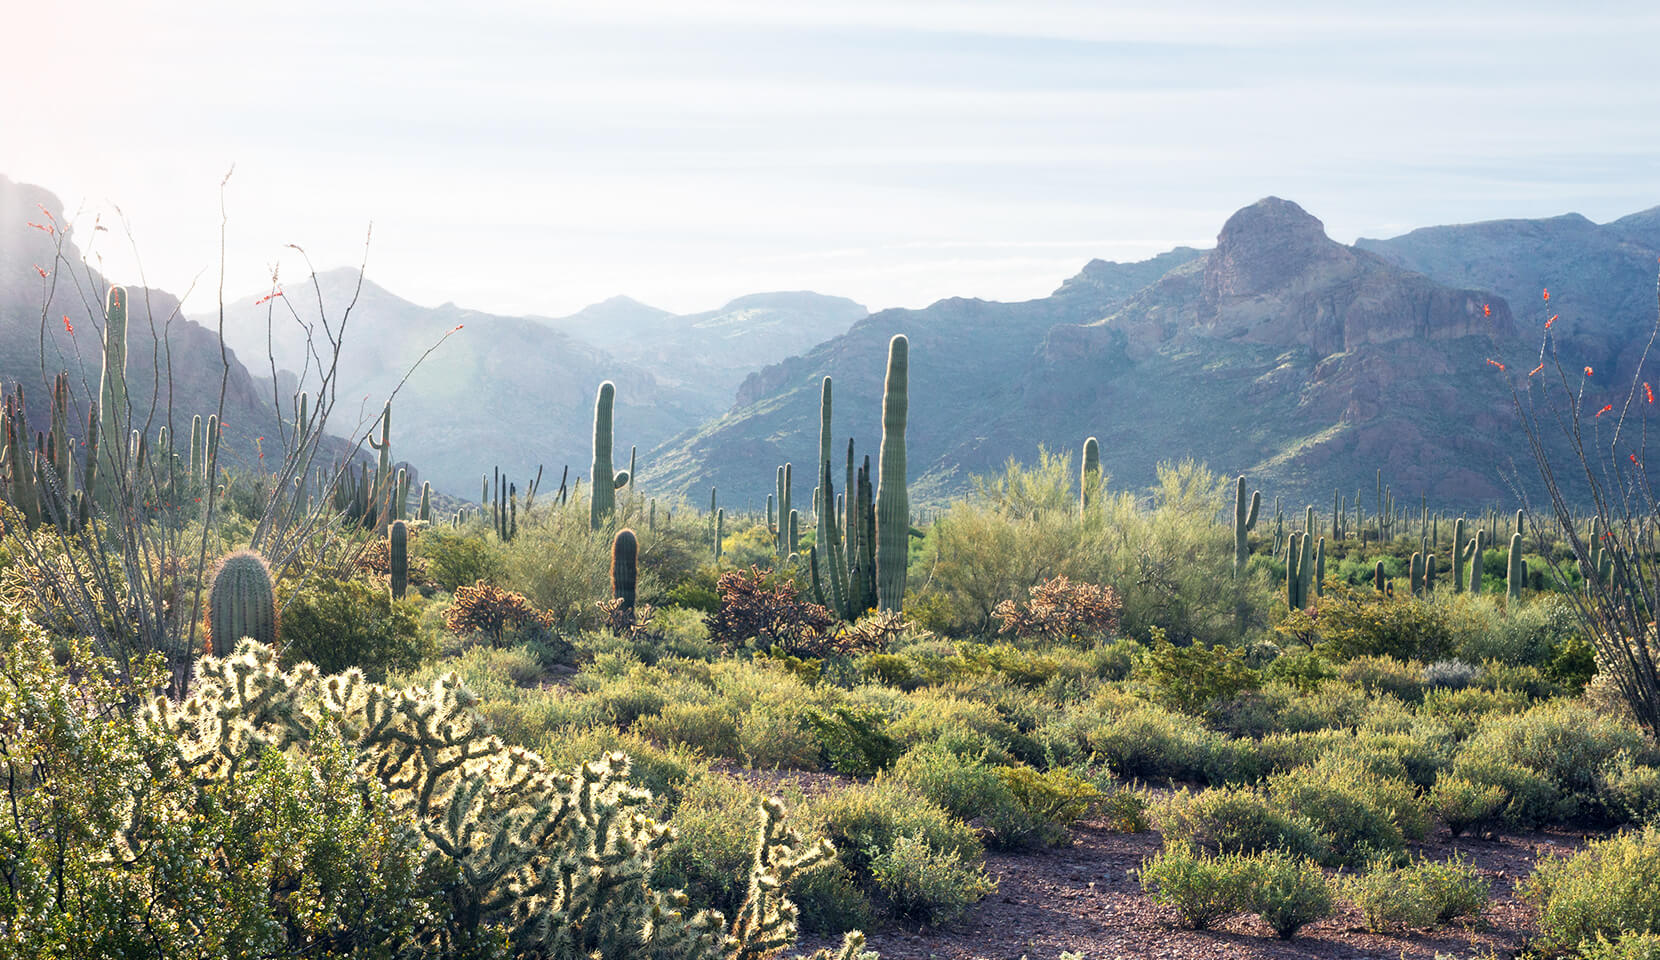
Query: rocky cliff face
[(164, 347), (1280, 353)]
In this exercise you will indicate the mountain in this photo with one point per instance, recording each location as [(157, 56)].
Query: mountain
[(158, 333), (1601, 277), (710, 353), (499, 391), (1280, 353)]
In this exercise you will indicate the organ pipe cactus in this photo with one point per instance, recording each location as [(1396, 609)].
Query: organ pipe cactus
[(241, 603), (625, 550), (1244, 521), (893, 510), (397, 537), (1090, 478)]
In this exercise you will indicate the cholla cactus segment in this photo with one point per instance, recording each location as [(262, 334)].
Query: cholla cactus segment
[(557, 864)]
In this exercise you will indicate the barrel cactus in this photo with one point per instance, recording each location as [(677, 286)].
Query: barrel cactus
[(241, 603)]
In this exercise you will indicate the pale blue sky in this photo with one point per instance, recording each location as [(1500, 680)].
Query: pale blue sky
[(535, 157)]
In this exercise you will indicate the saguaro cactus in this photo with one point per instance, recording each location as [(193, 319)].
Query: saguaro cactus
[(397, 541), (1478, 545), (625, 549), (112, 391), (893, 507), (604, 480), (241, 603), (1415, 574), (1515, 573), (1089, 479), (1244, 520)]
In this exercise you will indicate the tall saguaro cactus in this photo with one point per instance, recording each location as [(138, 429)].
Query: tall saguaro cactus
[(397, 537), (1244, 520), (625, 549), (1089, 479), (605, 481), (893, 508), (112, 391), (1515, 571)]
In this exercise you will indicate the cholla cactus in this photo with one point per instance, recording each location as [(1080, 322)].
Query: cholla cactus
[(557, 864)]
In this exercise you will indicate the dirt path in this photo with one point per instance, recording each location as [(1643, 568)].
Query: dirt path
[(1085, 898)]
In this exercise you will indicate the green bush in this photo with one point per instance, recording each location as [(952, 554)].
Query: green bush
[(852, 739), (866, 821), (1419, 895), (831, 900), (1204, 889), (1631, 791), (1358, 815), (1348, 623), (1376, 675), (927, 885), (458, 558), (714, 841), (969, 789), (1564, 745), (1237, 820), (1628, 946), (1609, 889), (709, 727), (1289, 892), (1150, 742), (1193, 679), (1462, 803), (340, 624)]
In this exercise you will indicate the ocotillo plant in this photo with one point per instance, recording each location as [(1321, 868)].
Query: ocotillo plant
[(605, 482), (893, 507), (241, 603), (1089, 478), (397, 544), (1244, 521), (625, 549)]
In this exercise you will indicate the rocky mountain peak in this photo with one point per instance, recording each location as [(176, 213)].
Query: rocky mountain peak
[(1264, 246)]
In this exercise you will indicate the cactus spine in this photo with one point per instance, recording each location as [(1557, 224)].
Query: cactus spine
[(1244, 521), (893, 509), (397, 537), (241, 603), (625, 549), (1090, 478)]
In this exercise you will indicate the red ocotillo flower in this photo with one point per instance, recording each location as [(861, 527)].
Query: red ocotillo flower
[(1547, 293), (1495, 363), (1605, 409), (1486, 309), (267, 297), (1648, 391), (1551, 320), (68, 327), (1536, 370), (1587, 371), (40, 270)]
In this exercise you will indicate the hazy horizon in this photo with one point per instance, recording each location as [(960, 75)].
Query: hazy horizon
[(537, 158)]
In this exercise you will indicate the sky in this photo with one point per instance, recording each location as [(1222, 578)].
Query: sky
[(536, 157)]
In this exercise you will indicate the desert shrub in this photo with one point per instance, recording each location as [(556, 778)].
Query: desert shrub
[(1236, 820), (1386, 900), (1609, 889), (1125, 809), (757, 610), (1061, 609), (1627, 946), (831, 900), (711, 728), (1462, 803), (772, 736), (1052, 799), (1530, 798), (1289, 892), (1194, 678), (1330, 706), (1377, 675), (664, 771), (713, 841), (867, 820), (1148, 741), (1347, 623), (1450, 675), (935, 715), (562, 566), (1464, 711), (488, 610), (1203, 888), (1631, 790), (1562, 742), (927, 885), (1015, 805), (1421, 894), (1302, 669), (457, 558), (340, 624), (1360, 816), (852, 739)]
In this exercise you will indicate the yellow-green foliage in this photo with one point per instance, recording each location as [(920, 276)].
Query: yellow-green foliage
[(339, 624), (1609, 890)]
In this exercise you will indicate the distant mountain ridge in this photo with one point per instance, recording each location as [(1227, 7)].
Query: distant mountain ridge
[(1280, 353)]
